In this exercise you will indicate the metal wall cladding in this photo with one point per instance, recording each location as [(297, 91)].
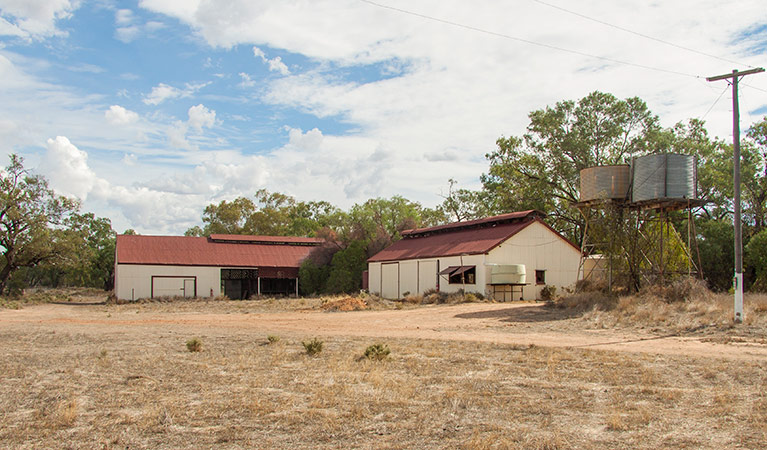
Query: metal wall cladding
[(605, 182), (664, 176)]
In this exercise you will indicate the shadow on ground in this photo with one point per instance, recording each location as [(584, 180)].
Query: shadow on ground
[(523, 314)]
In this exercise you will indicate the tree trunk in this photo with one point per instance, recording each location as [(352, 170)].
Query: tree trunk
[(5, 273)]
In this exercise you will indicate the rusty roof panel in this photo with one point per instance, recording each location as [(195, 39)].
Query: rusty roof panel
[(503, 218), (200, 251), (454, 243), (266, 239)]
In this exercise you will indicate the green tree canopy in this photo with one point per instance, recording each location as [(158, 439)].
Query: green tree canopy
[(542, 169), (31, 217)]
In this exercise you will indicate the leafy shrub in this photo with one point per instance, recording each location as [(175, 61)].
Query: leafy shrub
[(313, 347), (273, 339), (377, 352), (194, 345), (548, 292)]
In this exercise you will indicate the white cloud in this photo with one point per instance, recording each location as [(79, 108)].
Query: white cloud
[(34, 19), (66, 168), (309, 141), (127, 34), (130, 159), (128, 30), (177, 136), (117, 115), (124, 17), (162, 92), (275, 64), (247, 81), (200, 116)]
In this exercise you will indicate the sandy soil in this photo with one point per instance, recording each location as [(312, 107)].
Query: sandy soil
[(518, 323)]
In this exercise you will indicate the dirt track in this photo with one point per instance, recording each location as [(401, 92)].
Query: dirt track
[(521, 324)]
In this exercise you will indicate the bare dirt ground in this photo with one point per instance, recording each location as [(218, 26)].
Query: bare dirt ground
[(502, 323), (477, 375)]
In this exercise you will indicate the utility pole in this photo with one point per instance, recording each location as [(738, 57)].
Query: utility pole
[(738, 280)]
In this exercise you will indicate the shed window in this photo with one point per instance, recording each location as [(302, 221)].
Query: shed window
[(540, 277), (463, 275)]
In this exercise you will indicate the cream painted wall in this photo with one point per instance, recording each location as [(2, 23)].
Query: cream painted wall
[(427, 275), (539, 248), (133, 282), (390, 280), (536, 246), (408, 277), (374, 278)]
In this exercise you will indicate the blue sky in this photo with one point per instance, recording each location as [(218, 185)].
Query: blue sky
[(149, 110)]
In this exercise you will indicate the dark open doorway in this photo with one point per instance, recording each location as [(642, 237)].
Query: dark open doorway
[(239, 284)]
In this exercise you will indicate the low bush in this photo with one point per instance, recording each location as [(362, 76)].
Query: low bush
[(377, 352), (194, 345), (273, 339), (313, 347), (548, 293)]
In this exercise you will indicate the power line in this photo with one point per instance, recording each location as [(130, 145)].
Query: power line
[(754, 87), (583, 16), (715, 102), (526, 41)]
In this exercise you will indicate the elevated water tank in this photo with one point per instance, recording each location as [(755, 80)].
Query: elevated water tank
[(664, 176), (507, 274), (605, 182)]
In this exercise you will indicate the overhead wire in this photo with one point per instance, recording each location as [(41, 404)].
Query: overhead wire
[(527, 41), (715, 102), (646, 36), (753, 87)]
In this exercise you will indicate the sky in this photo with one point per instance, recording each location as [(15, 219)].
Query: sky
[(147, 111)]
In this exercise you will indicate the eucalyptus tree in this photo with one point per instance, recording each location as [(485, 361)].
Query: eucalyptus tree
[(32, 217)]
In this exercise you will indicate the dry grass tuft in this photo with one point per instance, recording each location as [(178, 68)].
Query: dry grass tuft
[(683, 306), (344, 304)]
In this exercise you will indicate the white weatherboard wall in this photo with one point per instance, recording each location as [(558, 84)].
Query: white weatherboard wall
[(536, 246), (134, 281), (539, 248), (414, 276)]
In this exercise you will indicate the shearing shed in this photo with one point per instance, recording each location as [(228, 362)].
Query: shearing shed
[(237, 266), (507, 257)]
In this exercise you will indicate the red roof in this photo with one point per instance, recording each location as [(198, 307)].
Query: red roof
[(453, 243), (201, 251), (503, 218), (461, 238), (265, 239)]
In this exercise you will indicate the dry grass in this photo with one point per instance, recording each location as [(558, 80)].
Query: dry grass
[(681, 307), (140, 388), (101, 387)]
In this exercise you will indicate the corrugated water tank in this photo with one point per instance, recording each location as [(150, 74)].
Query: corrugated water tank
[(605, 182), (507, 274), (667, 175)]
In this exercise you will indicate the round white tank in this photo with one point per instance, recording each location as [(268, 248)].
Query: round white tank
[(507, 274)]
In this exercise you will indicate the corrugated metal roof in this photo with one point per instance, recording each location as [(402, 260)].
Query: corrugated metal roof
[(509, 217), (458, 242), (266, 239), (200, 251)]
